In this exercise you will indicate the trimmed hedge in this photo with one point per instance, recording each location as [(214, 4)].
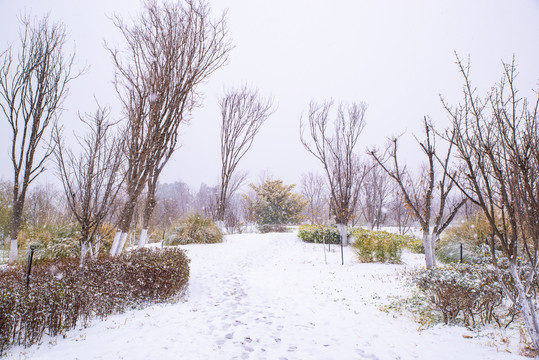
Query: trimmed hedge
[(378, 246), (62, 294), (315, 234)]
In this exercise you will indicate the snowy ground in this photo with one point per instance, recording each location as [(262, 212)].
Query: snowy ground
[(273, 297)]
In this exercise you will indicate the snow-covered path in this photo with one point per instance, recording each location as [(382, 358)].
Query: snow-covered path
[(272, 297)]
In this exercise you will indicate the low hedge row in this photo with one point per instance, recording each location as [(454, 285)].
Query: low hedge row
[(319, 234), (62, 294), (378, 246)]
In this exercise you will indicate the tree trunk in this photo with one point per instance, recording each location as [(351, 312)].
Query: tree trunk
[(115, 242), (343, 231), (97, 247), (120, 245), (125, 223), (149, 207), (428, 244), (143, 238), (527, 308), (84, 247), (15, 225)]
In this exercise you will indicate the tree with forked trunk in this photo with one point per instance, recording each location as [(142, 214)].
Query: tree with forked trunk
[(32, 89), (170, 49), (496, 138), (336, 149), (420, 193), (91, 179)]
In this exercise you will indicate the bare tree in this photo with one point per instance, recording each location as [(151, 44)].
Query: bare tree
[(496, 140), (399, 210), (45, 205), (374, 196), (243, 111), (32, 89), (170, 50), (313, 188), (335, 148), (419, 194), (91, 179)]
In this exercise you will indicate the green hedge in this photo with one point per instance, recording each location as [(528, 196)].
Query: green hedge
[(378, 246), (315, 234), (62, 294)]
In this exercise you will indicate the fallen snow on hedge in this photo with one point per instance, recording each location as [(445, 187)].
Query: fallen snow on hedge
[(272, 297)]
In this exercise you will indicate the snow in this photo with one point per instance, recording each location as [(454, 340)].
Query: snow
[(270, 296)]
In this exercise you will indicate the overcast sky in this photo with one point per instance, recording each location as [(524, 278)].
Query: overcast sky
[(397, 56)]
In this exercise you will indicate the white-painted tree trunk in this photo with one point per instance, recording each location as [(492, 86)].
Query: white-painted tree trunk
[(83, 251), (428, 244), (143, 238), (96, 248), (527, 308), (121, 243), (13, 251), (343, 231), (115, 243)]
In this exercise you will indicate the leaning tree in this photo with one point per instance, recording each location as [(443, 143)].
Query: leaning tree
[(170, 49), (243, 111), (335, 147), (496, 138), (33, 86)]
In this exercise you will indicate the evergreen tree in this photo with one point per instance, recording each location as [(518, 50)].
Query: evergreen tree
[(273, 203)]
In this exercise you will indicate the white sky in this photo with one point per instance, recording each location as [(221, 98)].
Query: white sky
[(397, 56)]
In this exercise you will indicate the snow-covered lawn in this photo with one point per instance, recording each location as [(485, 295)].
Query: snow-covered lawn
[(272, 297)]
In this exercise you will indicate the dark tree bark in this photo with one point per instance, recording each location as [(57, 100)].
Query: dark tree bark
[(170, 49), (92, 179), (496, 139), (32, 89), (243, 112)]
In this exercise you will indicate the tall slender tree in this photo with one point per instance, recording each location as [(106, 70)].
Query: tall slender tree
[(170, 49), (32, 88), (243, 112)]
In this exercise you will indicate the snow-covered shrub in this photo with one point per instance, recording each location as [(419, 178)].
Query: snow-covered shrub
[(196, 229), (471, 234), (62, 294), (471, 292), (378, 246), (448, 251), (319, 234)]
